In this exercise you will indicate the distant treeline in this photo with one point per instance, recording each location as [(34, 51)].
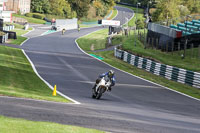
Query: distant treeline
[(168, 9), (72, 8)]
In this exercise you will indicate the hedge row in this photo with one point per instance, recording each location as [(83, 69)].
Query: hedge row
[(35, 15)]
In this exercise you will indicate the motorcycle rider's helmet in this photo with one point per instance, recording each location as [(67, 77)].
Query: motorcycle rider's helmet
[(111, 73)]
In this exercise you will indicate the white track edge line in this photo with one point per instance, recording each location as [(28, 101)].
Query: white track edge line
[(51, 87), (35, 100), (132, 74), (26, 37)]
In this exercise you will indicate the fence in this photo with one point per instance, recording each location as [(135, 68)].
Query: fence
[(5, 37), (172, 73), (9, 27), (176, 47)]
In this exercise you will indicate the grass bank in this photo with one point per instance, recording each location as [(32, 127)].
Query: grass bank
[(30, 19), (190, 62), (168, 58), (18, 78), (114, 14), (109, 58), (20, 39), (13, 125), (94, 41)]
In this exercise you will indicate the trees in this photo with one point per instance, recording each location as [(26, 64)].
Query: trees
[(166, 9), (193, 5), (60, 7), (80, 6), (71, 8), (40, 6)]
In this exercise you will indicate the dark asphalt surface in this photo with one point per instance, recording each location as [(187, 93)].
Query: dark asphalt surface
[(133, 106)]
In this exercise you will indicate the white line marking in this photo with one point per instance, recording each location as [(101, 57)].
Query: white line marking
[(130, 73), (51, 87), (26, 37), (118, 84), (35, 100)]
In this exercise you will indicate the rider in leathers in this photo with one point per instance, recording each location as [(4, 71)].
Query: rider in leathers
[(111, 77)]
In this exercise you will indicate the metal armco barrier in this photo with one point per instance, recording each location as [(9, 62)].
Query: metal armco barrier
[(172, 73)]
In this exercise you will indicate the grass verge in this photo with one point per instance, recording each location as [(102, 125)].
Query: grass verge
[(85, 44), (94, 41), (168, 58), (114, 14), (20, 39), (191, 62), (10, 125), (18, 78), (30, 19)]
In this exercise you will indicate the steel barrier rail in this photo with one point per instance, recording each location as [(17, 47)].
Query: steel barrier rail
[(172, 73)]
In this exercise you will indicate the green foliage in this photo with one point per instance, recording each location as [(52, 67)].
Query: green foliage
[(193, 5), (40, 6), (71, 8), (29, 14), (81, 7), (38, 16), (166, 9), (140, 23), (184, 11), (2, 33)]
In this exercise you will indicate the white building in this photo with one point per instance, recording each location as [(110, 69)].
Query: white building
[(5, 15), (22, 6)]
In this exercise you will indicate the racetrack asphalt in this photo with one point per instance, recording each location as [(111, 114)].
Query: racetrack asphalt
[(133, 106)]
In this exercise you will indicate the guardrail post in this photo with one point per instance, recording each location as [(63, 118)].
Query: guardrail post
[(167, 45), (199, 51), (149, 41), (185, 45), (152, 43), (172, 47), (192, 45), (157, 43)]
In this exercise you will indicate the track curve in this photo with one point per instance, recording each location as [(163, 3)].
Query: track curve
[(134, 105)]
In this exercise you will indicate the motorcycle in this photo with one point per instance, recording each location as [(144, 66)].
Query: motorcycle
[(100, 87)]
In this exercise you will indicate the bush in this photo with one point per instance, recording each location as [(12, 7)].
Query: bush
[(39, 16), (29, 14), (116, 40), (2, 33), (140, 23)]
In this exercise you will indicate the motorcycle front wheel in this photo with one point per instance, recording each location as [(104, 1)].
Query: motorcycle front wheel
[(100, 92)]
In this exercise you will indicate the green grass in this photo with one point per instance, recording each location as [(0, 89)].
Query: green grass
[(139, 13), (18, 78), (114, 14), (30, 19), (96, 40), (18, 26), (174, 59), (20, 39), (128, 43), (13, 125)]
